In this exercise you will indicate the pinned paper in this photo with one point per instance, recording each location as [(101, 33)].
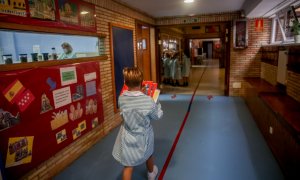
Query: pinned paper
[(76, 133), (14, 90), (24, 100), (51, 83), (90, 76), (91, 106), (59, 119), (62, 97), (19, 151), (82, 126), (78, 95), (8, 120), (68, 75), (95, 122), (90, 88), (75, 113), (45, 104), (61, 136)]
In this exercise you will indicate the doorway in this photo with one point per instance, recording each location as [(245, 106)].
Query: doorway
[(208, 52)]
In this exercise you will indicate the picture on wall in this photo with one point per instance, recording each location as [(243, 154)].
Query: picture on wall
[(240, 34), (212, 29), (87, 16), (68, 12), (13, 7), (42, 9)]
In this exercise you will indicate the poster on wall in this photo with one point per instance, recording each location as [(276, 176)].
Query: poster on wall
[(54, 116), (13, 7), (42, 9), (87, 16), (68, 11), (19, 151), (240, 34)]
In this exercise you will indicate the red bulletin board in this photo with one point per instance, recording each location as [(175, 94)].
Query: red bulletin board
[(40, 115)]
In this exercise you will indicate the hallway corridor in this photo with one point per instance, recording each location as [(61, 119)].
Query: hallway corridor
[(225, 145), (212, 83)]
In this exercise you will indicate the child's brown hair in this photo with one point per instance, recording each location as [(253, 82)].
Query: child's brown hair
[(133, 77)]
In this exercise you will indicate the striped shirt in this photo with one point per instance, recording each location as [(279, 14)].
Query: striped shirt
[(135, 140)]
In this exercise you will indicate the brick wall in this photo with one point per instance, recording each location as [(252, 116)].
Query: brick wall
[(293, 86), (246, 62), (107, 12), (269, 73)]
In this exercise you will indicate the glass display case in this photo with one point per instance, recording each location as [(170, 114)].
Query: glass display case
[(25, 46)]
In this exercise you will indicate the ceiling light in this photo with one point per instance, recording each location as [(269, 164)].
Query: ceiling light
[(188, 1), (84, 12)]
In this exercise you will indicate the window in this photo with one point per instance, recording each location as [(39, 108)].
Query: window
[(282, 22)]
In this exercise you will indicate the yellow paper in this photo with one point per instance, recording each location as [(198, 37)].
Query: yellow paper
[(82, 126), (19, 151), (13, 91)]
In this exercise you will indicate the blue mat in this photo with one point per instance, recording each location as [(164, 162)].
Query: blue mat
[(220, 141)]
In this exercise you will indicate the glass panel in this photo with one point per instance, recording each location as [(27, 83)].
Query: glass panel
[(17, 46), (278, 35)]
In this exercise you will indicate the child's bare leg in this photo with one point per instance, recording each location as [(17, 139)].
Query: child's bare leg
[(150, 164), (127, 172)]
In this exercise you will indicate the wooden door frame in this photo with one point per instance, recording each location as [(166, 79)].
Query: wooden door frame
[(136, 48), (111, 25), (221, 36)]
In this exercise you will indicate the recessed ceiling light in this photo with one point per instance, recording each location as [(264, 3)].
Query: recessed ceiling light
[(188, 1)]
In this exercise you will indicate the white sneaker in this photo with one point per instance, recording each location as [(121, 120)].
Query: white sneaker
[(153, 174)]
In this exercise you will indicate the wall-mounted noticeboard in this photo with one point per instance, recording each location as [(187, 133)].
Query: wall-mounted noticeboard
[(45, 109), (240, 33), (67, 14)]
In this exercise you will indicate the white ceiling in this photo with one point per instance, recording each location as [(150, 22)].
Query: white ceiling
[(165, 8)]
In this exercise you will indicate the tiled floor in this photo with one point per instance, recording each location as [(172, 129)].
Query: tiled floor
[(212, 83)]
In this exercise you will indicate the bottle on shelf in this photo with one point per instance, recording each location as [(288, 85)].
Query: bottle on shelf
[(54, 54)]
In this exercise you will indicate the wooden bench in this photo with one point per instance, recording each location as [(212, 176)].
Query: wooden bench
[(278, 117)]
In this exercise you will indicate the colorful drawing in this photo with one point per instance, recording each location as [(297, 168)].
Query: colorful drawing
[(42, 9), (51, 83), (59, 119), (95, 122), (24, 100), (61, 136), (91, 106), (82, 126), (19, 151), (87, 16), (78, 95), (75, 113), (90, 88), (45, 104), (13, 7), (8, 120), (76, 133), (68, 75), (14, 90), (68, 11)]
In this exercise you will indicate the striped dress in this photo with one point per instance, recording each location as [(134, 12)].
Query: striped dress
[(135, 140)]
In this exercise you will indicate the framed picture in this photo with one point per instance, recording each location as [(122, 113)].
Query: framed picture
[(68, 11), (42, 9), (212, 29), (16, 8), (240, 34), (87, 15)]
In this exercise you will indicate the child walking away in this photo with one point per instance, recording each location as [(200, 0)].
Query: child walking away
[(135, 142)]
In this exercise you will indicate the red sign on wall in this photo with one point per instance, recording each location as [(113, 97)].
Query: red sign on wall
[(259, 25), (45, 109)]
